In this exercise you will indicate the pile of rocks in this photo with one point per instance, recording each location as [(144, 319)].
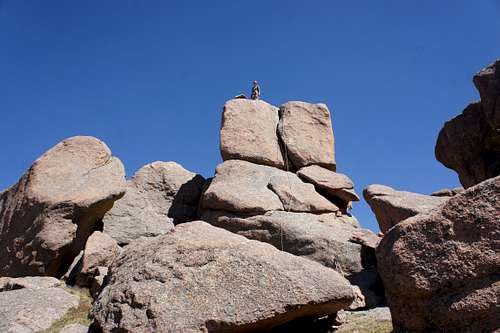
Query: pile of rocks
[(439, 257), (278, 184), (151, 266)]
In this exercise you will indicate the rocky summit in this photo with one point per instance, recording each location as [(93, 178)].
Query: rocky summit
[(266, 244)]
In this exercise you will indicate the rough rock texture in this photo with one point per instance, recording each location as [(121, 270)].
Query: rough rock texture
[(47, 216), (365, 237), (487, 82), (28, 282), (33, 310), (159, 195), (468, 145), (337, 184), (248, 132), (446, 192), (391, 206), (306, 130), (244, 187), (441, 269), (199, 278), (100, 252), (322, 238)]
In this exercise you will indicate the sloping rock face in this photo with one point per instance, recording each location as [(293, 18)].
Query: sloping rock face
[(244, 187), (470, 142), (46, 217), (391, 206), (199, 278), (441, 268), (159, 195), (248, 132), (28, 282), (307, 133), (33, 306)]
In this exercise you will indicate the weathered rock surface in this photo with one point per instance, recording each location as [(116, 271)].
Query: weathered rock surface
[(28, 282), (446, 192), (487, 82), (306, 130), (323, 238), (336, 184), (441, 268), (33, 310), (248, 132), (244, 187), (100, 252), (470, 146), (159, 195), (391, 206), (46, 217), (75, 328), (199, 278)]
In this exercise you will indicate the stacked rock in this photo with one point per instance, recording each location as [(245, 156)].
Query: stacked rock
[(278, 184)]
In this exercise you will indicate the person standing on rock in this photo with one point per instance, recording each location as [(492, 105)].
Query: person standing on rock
[(255, 90)]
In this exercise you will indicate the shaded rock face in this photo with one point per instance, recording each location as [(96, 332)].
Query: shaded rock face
[(468, 145), (470, 142), (487, 82), (199, 278), (158, 196), (244, 187), (248, 132), (391, 206), (35, 306), (307, 133), (440, 269), (46, 217)]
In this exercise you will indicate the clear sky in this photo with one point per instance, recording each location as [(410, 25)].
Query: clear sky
[(150, 78)]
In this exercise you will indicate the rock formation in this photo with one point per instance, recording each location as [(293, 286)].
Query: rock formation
[(199, 278), (33, 305), (470, 142), (391, 206), (158, 196), (440, 268), (46, 217)]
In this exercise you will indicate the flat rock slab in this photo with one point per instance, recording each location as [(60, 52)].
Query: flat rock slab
[(337, 184), (33, 310), (248, 132), (199, 278), (28, 282), (306, 131), (440, 269), (244, 187), (391, 207), (46, 217), (159, 195)]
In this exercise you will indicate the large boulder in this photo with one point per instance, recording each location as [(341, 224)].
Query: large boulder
[(248, 132), (46, 217), (331, 240), (158, 196), (391, 207), (34, 306), (244, 187), (470, 146), (487, 82), (307, 133), (199, 278), (441, 268)]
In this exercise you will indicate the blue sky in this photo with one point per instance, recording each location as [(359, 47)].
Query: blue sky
[(150, 77)]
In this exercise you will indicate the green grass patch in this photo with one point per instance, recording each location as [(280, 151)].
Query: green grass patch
[(78, 315)]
